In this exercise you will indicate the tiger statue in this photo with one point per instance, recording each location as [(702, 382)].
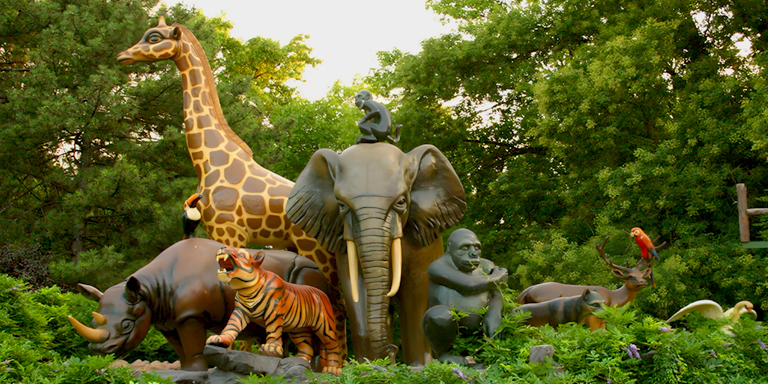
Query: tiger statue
[(264, 298)]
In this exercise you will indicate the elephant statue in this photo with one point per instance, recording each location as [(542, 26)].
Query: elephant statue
[(381, 211)]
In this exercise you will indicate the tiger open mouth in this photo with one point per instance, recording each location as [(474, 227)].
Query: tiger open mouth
[(226, 263)]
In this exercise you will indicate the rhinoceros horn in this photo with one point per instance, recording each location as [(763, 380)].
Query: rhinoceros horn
[(88, 333)]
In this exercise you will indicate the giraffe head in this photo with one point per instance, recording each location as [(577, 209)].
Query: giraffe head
[(159, 43)]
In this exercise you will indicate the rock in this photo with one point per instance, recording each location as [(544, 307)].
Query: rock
[(119, 363), (184, 377), (248, 363), (539, 353), (217, 376)]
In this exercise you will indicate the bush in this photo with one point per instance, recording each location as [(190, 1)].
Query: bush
[(39, 345), (26, 261)]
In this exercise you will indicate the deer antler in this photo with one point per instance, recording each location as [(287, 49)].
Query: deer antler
[(601, 251)]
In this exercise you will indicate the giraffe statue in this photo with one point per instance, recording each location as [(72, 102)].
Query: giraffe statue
[(242, 203)]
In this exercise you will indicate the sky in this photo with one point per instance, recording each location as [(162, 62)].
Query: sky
[(345, 35)]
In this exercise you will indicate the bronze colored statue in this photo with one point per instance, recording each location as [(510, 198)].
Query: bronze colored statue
[(575, 309), (635, 278), (389, 208), (376, 125), (242, 203), (460, 280), (262, 297), (179, 294)]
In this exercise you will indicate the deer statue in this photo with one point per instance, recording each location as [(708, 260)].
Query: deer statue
[(635, 281)]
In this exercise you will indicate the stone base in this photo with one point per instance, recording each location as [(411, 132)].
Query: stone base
[(233, 366)]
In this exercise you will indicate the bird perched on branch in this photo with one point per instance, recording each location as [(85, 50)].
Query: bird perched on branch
[(191, 217), (644, 242)]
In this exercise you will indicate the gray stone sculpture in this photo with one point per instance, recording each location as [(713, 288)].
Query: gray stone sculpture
[(460, 280), (376, 125)]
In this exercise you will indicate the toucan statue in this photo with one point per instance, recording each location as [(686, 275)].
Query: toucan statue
[(191, 217)]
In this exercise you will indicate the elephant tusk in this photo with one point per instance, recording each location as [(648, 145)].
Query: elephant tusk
[(90, 334), (397, 266), (100, 319), (352, 260)]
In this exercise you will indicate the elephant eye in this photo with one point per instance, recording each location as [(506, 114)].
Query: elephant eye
[(401, 204), (343, 208), (127, 326)]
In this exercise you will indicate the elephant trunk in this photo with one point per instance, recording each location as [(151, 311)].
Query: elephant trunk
[(373, 243)]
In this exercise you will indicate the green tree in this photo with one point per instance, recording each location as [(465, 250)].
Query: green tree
[(94, 153), (571, 120)]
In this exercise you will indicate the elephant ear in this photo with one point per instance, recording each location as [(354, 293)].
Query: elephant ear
[(437, 196), (312, 205)]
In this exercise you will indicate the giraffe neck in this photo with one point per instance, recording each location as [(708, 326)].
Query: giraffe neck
[(205, 125)]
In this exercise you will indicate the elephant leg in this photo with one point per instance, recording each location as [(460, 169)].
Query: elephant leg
[(414, 297), (356, 312)]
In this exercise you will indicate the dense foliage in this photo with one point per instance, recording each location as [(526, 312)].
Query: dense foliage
[(571, 121), (38, 345), (95, 161)]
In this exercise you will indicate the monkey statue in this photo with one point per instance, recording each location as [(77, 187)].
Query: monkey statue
[(376, 126)]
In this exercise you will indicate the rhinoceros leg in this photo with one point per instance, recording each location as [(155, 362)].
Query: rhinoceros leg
[(191, 333), (173, 338)]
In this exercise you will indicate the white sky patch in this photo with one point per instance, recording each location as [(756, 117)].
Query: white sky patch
[(344, 34)]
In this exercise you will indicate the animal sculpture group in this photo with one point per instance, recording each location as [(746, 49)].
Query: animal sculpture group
[(180, 295), (241, 203), (553, 303), (367, 223), (392, 221)]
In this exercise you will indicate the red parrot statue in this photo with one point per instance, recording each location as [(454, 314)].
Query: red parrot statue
[(645, 243)]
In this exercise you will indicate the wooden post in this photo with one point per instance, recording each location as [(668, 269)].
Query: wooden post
[(741, 194)]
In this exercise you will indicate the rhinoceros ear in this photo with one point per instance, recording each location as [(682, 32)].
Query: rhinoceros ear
[(132, 290), (258, 258), (91, 293)]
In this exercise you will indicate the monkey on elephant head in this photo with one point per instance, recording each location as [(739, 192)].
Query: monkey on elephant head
[(462, 281), (376, 125)]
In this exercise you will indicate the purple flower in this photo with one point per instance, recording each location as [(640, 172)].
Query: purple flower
[(665, 329), (762, 345), (56, 370), (100, 371), (609, 381), (459, 373), (66, 363), (6, 362), (712, 352), (726, 345), (378, 368), (632, 351)]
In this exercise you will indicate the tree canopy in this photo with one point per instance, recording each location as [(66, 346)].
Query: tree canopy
[(95, 161), (568, 122)]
